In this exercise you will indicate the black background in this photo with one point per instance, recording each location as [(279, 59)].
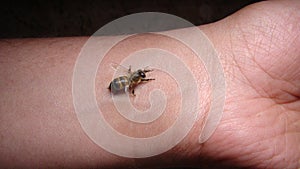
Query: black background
[(59, 18)]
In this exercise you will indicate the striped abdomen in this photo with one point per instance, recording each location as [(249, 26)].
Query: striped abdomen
[(119, 84)]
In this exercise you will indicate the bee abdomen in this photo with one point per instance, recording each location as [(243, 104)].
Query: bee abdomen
[(118, 84)]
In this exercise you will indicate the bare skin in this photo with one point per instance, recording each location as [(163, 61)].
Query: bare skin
[(260, 128), (261, 124)]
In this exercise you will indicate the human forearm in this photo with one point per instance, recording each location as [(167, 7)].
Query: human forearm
[(39, 124)]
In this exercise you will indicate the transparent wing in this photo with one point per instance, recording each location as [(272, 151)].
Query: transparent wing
[(119, 67)]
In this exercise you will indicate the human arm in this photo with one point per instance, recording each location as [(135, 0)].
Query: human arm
[(260, 124)]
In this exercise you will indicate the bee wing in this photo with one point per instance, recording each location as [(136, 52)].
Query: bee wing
[(117, 66)]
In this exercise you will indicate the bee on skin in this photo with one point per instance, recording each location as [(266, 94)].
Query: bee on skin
[(128, 83)]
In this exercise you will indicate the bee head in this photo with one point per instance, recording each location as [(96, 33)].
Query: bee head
[(142, 73)]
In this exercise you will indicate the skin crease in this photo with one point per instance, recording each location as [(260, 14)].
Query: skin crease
[(260, 128)]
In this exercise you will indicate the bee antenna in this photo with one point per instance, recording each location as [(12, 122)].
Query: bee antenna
[(147, 69)]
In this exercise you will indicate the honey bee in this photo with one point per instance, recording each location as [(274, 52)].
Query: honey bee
[(129, 82)]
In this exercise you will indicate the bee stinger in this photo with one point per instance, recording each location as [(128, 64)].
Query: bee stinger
[(129, 82)]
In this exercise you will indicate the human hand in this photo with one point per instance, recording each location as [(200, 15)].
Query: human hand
[(259, 49)]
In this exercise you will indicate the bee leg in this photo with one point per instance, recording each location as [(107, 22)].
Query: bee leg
[(129, 70), (127, 90), (132, 92), (145, 80)]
